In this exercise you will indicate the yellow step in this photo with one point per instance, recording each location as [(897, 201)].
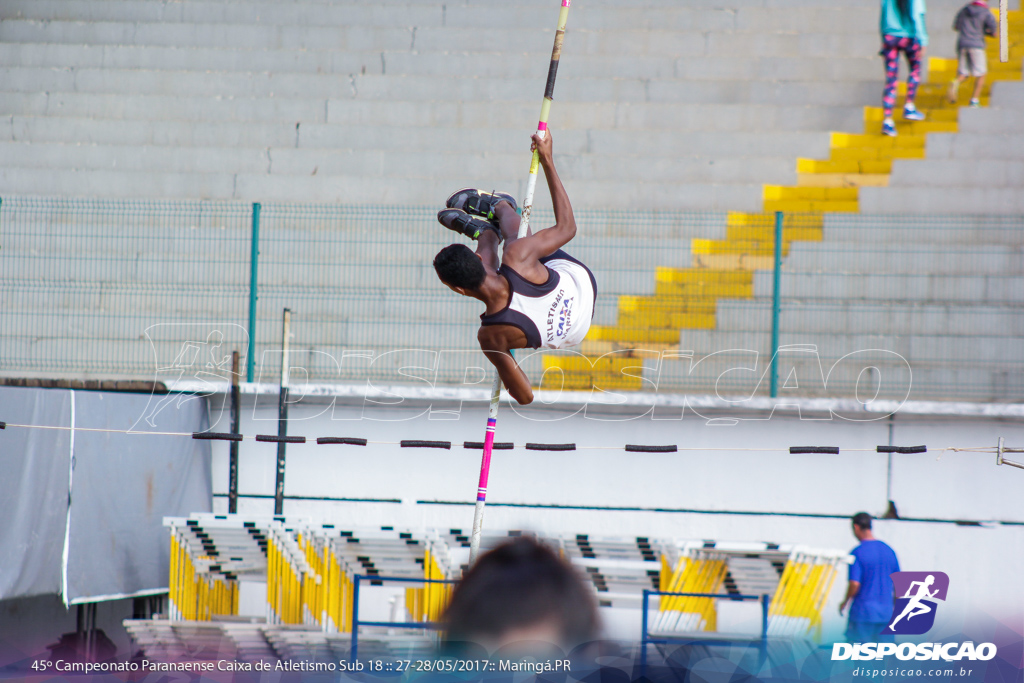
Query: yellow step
[(635, 335), (812, 206), (653, 320), (834, 166), (876, 115), (706, 246), (590, 347), (780, 192), (914, 127), (846, 140), (680, 304), (702, 276), (842, 179), (731, 291), (733, 261), (863, 155), (940, 65), (573, 381), (767, 233), (575, 363), (854, 154), (693, 321), (737, 219), (902, 153)]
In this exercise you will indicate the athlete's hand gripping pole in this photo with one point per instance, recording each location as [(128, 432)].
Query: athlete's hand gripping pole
[(524, 225)]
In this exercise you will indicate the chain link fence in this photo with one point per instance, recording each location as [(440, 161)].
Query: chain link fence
[(855, 306)]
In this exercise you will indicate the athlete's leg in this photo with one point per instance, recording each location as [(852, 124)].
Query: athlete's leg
[(508, 222)]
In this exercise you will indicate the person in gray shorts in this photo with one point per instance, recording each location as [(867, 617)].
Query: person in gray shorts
[(973, 23)]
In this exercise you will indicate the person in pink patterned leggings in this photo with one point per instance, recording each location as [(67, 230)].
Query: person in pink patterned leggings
[(903, 30)]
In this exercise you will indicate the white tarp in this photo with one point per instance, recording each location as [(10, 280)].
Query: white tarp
[(110, 542)]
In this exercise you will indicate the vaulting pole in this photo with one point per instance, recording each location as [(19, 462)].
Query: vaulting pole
[(524, 226)]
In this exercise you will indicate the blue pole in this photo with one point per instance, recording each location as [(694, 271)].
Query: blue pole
[(254, 257), (776, 294), (764, 628), (354, 650), (643, 635)]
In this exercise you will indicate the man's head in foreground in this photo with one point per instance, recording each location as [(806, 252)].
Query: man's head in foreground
[(523, 597)]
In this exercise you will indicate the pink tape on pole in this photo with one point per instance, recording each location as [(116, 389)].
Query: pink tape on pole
[(542, 126), (566, 3), (485, 465)]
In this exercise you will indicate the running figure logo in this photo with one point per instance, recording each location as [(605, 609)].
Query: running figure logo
[(916, 593)]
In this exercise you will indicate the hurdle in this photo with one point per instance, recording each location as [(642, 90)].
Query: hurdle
[(804, 587), (797, 580)]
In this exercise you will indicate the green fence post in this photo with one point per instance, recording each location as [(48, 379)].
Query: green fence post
[(776, 295), (254, 258)]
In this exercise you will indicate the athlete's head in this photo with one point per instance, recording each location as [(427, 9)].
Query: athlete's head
[(459, 267)]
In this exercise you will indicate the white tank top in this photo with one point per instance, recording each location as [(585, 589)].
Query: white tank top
[(556, 314)]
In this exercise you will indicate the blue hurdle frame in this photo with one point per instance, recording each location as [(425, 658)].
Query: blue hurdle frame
[(646, 639), (356, 623)]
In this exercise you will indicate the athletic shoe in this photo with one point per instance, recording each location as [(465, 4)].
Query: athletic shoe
[(464, 224), (889, 128), (478, 202), (975, 103), (910, 113)]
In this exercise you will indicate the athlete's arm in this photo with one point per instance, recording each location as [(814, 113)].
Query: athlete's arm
[(545, 242), (495, 345), (851, 592)]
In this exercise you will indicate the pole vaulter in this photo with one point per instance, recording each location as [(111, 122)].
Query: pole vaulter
[(540, 297)]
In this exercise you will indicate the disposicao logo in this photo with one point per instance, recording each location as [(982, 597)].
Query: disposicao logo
[(916, 593), (912, 615)]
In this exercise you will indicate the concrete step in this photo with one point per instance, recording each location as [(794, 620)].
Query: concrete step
[(799, 317), (972, 350), (991, 145), (592, 175), (326, 259), (507, 146), (378, 308), (925, 381), (993, 119), (833, 256), (958, 173), (971, 230), (488, 64), (943, 200), (438, 14), (622, 39), (96, 222), (165, 107), (193, 111), (426, 88), (361, 189), (1003, 289), (159, 57), (1008, 94)]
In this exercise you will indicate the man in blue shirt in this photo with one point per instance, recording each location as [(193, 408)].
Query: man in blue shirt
[(870, 586)]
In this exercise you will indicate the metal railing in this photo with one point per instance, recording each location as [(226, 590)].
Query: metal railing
[(701, 637), (357, 622)]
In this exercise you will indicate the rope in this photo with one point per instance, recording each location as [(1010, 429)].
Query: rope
[(530, 446)]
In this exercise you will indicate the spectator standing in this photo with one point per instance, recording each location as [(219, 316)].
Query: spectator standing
[(973, 22), (870, 586)]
